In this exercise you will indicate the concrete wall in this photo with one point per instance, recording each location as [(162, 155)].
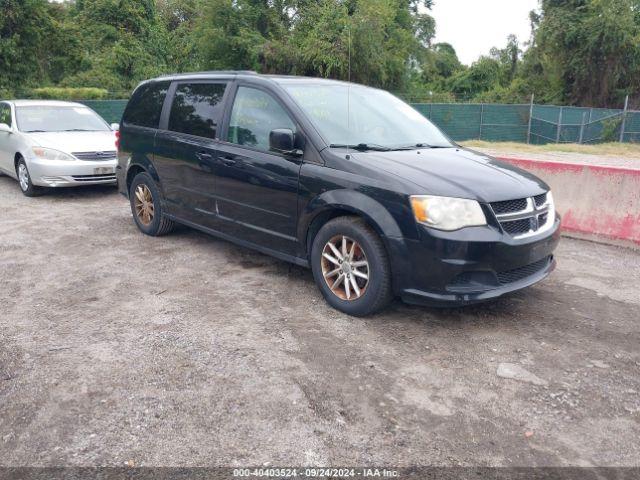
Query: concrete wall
[(598, 201)]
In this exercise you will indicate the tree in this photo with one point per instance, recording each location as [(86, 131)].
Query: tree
[(509, 59), (446, 60), (25, 26), (123, 42), (591, 48), (583, 52), (370, 41), (482, 76)]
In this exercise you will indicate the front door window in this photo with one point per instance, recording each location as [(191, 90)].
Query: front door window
[(255, 114)]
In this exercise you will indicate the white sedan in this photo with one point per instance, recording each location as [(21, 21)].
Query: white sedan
[(47, 143)]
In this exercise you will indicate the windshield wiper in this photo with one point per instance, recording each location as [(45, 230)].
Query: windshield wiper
[(35, 131), (362, 147), (77, 130), (426, 145)]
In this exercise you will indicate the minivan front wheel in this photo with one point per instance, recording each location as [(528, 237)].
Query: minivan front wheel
[(146, 206), (351, 267)]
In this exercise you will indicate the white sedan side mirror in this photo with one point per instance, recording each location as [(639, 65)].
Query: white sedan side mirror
[(5, 128), (115, 127)]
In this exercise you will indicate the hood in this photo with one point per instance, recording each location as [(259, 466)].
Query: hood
[(70, 142), (455, 172)]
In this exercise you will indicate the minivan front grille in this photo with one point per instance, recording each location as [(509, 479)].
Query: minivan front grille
[(517, 274), (509, 206), (95, 156), (540, 199), (483, 280), (517, 227), (525, 216)]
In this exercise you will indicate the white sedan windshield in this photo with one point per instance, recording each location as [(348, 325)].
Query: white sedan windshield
[(59, 119), (357, 115)]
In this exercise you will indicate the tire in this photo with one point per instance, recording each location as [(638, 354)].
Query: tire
[(375, 293), (146, 206), (24, 180)]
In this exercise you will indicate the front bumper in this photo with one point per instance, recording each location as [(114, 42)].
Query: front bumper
[(469, 266), (48, 173)]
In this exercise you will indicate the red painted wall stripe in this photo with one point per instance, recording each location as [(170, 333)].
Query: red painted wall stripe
[(592, 199)]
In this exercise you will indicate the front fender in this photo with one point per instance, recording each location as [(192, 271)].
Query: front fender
[(351, 201)]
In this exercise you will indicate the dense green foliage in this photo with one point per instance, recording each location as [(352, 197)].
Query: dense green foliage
[(584, 52), (62, 93)]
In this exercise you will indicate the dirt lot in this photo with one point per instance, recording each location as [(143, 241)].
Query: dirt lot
[(186, 350)]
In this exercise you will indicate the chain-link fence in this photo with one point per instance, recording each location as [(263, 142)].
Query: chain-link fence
[(527, 123), (537, 124), (551, 124), (494, 123)]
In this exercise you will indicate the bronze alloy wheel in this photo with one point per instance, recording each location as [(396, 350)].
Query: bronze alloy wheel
[(144, 204), (345, 268)]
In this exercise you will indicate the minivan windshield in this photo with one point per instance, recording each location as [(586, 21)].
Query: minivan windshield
[(358, 116), (45, 118)]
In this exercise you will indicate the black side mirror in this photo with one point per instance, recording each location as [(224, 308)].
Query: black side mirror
[(282, 140)]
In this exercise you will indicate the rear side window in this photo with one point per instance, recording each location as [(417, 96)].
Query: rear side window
[(196, 109), (145, 106)]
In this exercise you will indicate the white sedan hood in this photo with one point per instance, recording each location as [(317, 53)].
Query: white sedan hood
[(70, 142)]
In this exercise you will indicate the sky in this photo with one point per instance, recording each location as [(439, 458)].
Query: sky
[(474, 26)]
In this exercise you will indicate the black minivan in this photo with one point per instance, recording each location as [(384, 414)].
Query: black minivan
[(345, 179)]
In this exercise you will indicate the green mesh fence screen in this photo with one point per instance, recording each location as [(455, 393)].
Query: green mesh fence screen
[(632, 127), (498, 123), (504, 123), (491, 122), (548, 123), (110, 110)]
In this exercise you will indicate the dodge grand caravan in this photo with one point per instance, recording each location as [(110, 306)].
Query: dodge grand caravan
[(345, 179)]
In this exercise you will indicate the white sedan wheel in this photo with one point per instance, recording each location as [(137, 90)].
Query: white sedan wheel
[(23, 177)]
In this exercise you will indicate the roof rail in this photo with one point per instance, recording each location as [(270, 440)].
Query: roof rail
[(210, 72)]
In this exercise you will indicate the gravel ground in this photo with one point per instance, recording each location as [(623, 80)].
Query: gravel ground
[(117, 348)]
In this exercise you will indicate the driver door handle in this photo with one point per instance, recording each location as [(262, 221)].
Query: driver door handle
[(228, 161), (203, 156)]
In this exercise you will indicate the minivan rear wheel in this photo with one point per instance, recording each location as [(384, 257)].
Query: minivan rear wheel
[(146, 206), (351, 267)]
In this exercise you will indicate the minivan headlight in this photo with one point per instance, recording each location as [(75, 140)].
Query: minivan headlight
[(51, 154), (446, 213)]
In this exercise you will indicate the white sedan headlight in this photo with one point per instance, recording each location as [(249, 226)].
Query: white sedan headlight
[(446, 213), (51, 154)]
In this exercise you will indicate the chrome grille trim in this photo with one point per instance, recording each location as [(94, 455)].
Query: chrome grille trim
[(96, 156), (539, 210), (109, 177)]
